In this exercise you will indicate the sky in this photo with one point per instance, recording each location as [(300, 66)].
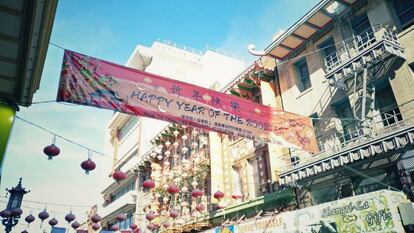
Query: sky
[(111, 30)]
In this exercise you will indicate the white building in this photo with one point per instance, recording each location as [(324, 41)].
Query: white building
[(129, 136)]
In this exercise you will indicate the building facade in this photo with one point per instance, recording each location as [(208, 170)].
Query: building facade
[(129, 137)]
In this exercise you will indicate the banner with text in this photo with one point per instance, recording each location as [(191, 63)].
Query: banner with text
[(90, 81)]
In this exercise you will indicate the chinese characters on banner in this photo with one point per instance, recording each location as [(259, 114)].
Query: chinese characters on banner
[(89, 81)]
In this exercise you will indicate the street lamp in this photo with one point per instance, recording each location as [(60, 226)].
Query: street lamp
[(13, 212)]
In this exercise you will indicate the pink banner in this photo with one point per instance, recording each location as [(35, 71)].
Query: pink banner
[(89, 81)]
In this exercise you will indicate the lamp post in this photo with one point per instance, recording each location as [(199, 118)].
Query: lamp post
[(13, 212)]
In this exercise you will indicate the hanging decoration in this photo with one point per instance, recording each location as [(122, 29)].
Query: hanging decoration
[(5, 213), (119, 176), (70, 217), (199, 207), (43, 216), (16, 212), (96, 218), (29, 219), (236, 196), (114, 227), (196, 193), (53, 222), (130, 91), (24, 231), (121, 217), (173, 214), (151, 227), (173, 189), (96, 226), (218, 195), (52, 150), (166, 225), (133, 226), (75, 225), (150, 216), (88, 165), (148, 184)]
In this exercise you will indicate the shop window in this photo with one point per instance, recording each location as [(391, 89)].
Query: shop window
[(404, 10), (302, 75), (324, 194)]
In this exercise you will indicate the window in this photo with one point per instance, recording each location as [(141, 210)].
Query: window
[(360, 24), (349, 127), (127, 128), (327, 47), (404, 10), (318, 130), (302, 74), (328, 52), (119, 193)]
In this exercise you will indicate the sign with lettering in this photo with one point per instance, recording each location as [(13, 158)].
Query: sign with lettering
[(89, 81)]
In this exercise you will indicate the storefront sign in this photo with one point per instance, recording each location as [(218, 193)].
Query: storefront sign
[(93, 82)]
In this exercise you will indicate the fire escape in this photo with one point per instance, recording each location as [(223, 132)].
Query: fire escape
[(355, 67)]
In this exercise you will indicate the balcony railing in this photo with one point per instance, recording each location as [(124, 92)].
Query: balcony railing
[(373, 45), (350, 133)]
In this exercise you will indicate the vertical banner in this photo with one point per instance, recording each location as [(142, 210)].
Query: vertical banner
[(89, 81)]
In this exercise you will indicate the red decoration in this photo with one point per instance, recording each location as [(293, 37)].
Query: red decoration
[(96, 226), (200, 207), (173, 214), (24, 231), (218, 195), (150, 216), (29, 219), (114, 227), (88, 165), (43, 215), (121, 217), (196, 193), (148, 184), (236, 196), (119, 175), (5, 213), (96, 218), (16, 212), (150, 227), (133, 226), (70, 217), (53, 222), (51, 151), (166, 225), (173, 189), (75, 225)]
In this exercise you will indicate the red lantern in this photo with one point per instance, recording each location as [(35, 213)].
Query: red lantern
[(53, 222), (96, 226), (196, 193), (96, 218), (133, 226), (218, 195), (88, 165), (24, 231), (173, 189), (16, 212), (75, 225), (166, 225), (43, 215), (236, 196), (29, 219), (173, 214), (5, 213), (121, 217), (148, 184), (119, 175), (150, 227), (114, 227), (70, 217), (150, 216), (200, 207), (51, 151)]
